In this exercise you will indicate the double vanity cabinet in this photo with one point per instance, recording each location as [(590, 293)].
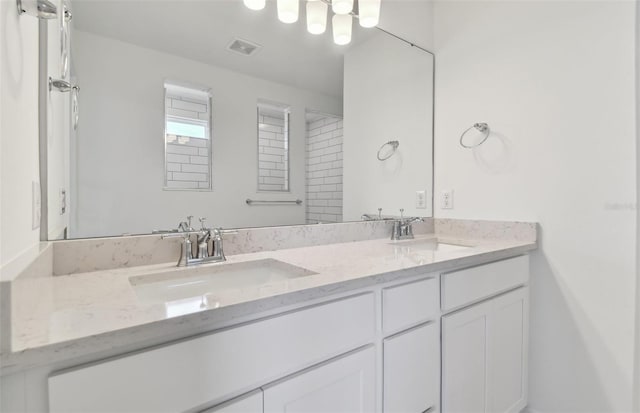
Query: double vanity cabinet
[(454, 341)]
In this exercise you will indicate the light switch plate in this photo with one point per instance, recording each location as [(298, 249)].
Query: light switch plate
[(35, 205), (421, 199)]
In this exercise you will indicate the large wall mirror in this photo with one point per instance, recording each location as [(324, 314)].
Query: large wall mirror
[(209, 109)]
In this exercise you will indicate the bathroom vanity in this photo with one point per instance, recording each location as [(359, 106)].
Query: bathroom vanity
[(347, 316), (438, 323)]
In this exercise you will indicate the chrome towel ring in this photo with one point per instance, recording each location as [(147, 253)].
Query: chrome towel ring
[(480, 127), (394, 146)]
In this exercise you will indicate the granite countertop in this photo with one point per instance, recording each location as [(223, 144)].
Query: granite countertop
[(66, 315)]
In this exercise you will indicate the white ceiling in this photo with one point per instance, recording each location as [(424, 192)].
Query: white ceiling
[(201, 30)]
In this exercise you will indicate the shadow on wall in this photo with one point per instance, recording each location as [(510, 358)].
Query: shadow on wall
[(568, 328), (496, 154), (393, 165)]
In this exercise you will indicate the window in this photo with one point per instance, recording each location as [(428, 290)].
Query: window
[(187, 138), (273, 146)]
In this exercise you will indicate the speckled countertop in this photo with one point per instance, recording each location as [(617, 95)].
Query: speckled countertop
[(60, 316)]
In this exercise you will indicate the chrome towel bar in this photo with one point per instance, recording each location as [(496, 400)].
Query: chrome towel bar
[(262, 201)]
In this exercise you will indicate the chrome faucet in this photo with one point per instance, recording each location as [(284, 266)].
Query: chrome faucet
[(185, 226), (402, 228), (203, 236), (218, 249), (369, 217)]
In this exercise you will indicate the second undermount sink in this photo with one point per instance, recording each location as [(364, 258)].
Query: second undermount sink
[(186, 284), (431, 244)]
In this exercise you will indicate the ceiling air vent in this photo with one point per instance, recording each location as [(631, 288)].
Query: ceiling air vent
[(243, 47)]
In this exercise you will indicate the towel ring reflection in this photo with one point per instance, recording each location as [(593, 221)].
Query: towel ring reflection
[(480, 127), (75, 106), (394, 146)]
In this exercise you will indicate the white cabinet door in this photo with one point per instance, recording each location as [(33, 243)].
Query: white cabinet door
[(412, 370), (464, 360), (484, 356), (508, 352), (250, 403), (345, 385)]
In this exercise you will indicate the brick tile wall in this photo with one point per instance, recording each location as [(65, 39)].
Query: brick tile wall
[(273, 153), (324, 171)]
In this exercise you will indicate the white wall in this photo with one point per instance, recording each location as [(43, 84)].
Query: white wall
[(18, 130), (387, 96), (410, 19), (555, 81), (120, 142)]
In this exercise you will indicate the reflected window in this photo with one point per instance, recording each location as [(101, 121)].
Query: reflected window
[(187, 137), (273, 146)]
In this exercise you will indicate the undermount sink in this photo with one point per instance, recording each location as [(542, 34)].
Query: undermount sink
[(431, 244), (197, 287)]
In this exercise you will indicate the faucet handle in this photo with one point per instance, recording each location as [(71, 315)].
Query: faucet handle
[(380, 213), (402, 213), (189, 218), (202, 220)]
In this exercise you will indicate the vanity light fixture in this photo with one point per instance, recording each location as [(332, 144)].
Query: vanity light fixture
[(342, 26), (342, 6), (255, 4), (368, 13), (288, 11), (316, 16)]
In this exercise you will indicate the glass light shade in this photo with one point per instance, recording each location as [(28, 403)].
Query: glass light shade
[(255, 4), (369, 12), (288, 11), (316, 16), (342, 6), (342, 25)]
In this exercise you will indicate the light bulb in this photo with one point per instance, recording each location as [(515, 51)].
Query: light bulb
[(342, 29), (288, 11), (255, 4), (316, 16), (369, 12), (342, 6)]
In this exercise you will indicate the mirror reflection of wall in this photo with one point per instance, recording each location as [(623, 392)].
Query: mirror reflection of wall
[(386, 81), (120, 164), (147, 153)]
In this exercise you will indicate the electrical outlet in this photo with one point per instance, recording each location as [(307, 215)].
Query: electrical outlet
[(446, 199), (421, 199), (35, 205), (63, 201)]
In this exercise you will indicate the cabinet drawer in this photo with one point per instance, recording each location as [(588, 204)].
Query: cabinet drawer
[(345, 385), (409, 304), (412, 370), (470, 285), (206, 369)]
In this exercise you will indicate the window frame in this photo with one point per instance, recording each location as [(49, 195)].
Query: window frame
[(286, 110), (209, 133)]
